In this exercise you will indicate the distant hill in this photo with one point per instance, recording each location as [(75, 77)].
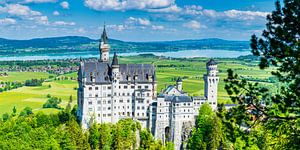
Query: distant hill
[(78, 44)]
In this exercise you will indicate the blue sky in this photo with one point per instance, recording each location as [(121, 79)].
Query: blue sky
[(134, 20)]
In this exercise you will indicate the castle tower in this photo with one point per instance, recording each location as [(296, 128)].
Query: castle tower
[(104, 47), (179, 84), (211, 80), (115, 76)]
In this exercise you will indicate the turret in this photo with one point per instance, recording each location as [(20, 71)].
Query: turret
[(211, 80), (179, 84), (115, 86), (104, 47)]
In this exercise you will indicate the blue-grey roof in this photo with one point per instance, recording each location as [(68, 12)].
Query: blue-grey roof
[(104, 37), (179, 79), (178, 99), (101, 72), (211, 62), (115, 60)]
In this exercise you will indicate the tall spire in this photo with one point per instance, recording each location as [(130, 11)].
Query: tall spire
[(115, 60), (104, 37), (104, 47)]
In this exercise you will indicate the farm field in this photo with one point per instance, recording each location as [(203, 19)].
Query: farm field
[(167, 71)]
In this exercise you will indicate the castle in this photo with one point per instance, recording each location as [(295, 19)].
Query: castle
[(109, 91)]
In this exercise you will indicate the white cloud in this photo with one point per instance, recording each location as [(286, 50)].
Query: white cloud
[(19, 10), (147, 5), (120, 27), (154, 27), (24, 12), (40, 1), (195, 10), (56, 13), (81, 30), (65, 5), (63, 23), (245, 15), (171, 9), (195, 25), (138, 21), (7, 21)]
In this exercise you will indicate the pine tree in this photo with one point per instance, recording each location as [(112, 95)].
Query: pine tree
[(277, 108)]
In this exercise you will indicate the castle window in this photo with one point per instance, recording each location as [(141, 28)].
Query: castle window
[(214, 103), (123, 113), (146, 87), (109, 95), (139, 87), (109, 87), (108, 115), (98, 102), (108, 108), (119, 86), (104, 115), (132, 86), (99, 108), (96, 95), (96, 88), (90, 88), (90, 109), (104, 87), (143, 107), (125, 87), (90, 95), (108, 101), (128, 94), (90, 102), (148, 94), (138, 108), (121, 101), (128, 101)]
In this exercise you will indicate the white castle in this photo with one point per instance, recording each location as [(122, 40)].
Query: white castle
[(109, 92)]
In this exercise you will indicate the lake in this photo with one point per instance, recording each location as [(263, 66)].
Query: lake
[(178, 54)]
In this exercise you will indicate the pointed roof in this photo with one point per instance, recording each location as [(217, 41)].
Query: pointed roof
[(211, 62), (179, 79), (104, 37), (115, 60)]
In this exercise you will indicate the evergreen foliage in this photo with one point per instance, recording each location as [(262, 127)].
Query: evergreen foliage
[(277, 114), (62, 131)]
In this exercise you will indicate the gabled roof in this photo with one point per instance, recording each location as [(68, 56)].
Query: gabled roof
[(101, 72)]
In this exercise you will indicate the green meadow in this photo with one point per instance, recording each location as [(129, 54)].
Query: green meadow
[(167, 70)]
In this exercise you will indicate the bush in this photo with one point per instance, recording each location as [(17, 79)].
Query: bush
[(52, 102)]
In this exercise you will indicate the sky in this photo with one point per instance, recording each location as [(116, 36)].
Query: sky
[(134, 20)]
